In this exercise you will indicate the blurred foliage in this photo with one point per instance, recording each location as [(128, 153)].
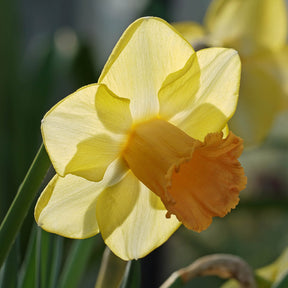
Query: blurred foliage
[(38, 71)]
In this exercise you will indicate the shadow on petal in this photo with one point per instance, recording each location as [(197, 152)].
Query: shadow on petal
[(116, 203), (93, 156), (67, 207), (205, 118)]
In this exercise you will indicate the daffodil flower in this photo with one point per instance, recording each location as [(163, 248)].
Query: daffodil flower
[(257, 29), (146, 148)]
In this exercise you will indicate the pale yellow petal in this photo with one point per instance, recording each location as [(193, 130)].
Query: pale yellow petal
[(247, 25), (205, 118), (216, 99), (113, 111), (148, 51), (261, 95), (178, 90), (132, 219), (67, 206), (75, 138), (282, 73), (93, 156)]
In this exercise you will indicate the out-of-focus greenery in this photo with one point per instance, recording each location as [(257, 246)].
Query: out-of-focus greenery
[(47, 52)]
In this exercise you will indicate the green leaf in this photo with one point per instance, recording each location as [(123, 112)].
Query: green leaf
[(76, 263), (44, 259), (10, 268), (22, 202), (57, 253), (27, 271)]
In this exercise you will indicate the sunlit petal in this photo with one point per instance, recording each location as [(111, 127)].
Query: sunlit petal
[(140, 63), (74, 135), (67, 206), (113, 111), (179, 88), (130, 220), (216, 99)]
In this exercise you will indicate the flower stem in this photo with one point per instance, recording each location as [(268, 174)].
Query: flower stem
[(22, 202), (111, 265)]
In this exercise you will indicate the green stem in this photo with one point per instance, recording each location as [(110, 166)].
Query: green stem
[(22, 202), (112, 270)]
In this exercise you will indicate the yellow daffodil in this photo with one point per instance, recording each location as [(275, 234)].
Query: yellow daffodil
[(257, 29), (144, 148)]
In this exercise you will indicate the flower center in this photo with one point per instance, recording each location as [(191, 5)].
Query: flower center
[(195, 180)]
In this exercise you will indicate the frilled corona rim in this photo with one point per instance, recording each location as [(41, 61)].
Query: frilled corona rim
[(195, 180)]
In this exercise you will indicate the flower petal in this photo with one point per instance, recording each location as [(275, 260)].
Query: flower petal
[(179, 89), (130, 221), (280, 71), (247, 25), (74, 136), (216, 99), (205, 118), (114, 112), (261, 97), (93, 156), (148, 51), (67, 205)]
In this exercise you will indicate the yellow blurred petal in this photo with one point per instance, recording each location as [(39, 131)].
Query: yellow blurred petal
[(179, 89), (148, 51), (282, 73), (193, 32), (261, 95), (130, 221), (75, 138), (67, 206), (216, 99), (247, 25)]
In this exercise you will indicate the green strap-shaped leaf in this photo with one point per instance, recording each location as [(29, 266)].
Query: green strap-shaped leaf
[(76, 263), (22, 202), (27, 271)]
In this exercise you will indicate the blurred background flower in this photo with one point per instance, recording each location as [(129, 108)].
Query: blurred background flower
[(50, 49)]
